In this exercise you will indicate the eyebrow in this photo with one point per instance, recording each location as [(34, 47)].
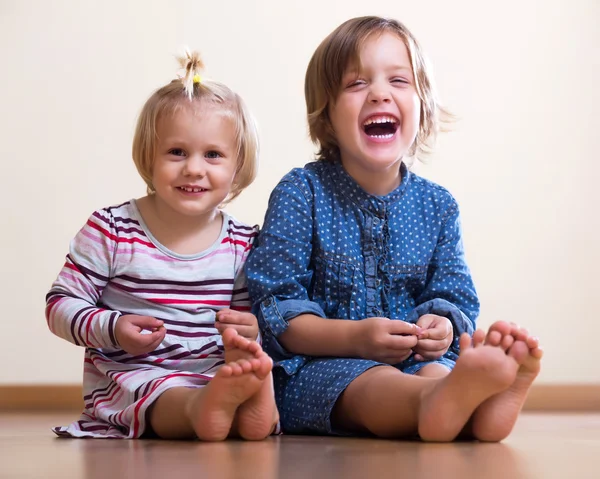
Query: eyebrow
[(356, 71)]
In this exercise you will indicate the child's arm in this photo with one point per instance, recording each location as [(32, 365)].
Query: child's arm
[(379, 339), (71, 305), (238, 315), (450, 293), (279, 278)]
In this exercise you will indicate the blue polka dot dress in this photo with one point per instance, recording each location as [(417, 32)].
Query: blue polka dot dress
[(330, 249)]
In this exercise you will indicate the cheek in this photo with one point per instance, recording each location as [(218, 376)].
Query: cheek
[(412, 112), (344, 114), (416, 107), (163, 172), (224, 176)]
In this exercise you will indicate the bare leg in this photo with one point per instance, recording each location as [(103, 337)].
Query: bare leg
[(258, 416), (495, 418), (167, 416), (433, 370), (388, 403)]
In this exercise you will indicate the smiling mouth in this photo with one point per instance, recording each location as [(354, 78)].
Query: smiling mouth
[(188, 189), (382, 127)]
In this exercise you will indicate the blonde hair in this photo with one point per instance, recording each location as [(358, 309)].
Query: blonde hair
[(187, 90), (340, 50)]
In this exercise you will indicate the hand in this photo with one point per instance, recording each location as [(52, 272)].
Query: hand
[(385, 340), (245, 324), (130, 337), (435, 339)]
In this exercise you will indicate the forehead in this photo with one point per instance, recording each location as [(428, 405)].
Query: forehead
[(197, 111), (190, 122), (383, 47)]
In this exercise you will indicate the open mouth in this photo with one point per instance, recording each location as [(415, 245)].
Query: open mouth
[(380, 127)]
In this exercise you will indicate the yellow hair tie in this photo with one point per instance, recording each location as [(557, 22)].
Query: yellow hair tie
[(197, 79)]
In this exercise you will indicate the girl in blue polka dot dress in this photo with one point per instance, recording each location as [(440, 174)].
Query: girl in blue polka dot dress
[(358, 277)]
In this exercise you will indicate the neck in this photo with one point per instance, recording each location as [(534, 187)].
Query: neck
[(180, 233), (178, 223)]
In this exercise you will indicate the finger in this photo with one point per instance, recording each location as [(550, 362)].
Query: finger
[(402, 327), (424, 334), (432, 345), (236, 318), (155, 344), (146, 322), (395, 342), (247, 332), (147, 344), (146, 340), (426, 320), (439, 333)]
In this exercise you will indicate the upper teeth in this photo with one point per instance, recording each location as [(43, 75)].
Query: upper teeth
[(191, 190), (380, 119)]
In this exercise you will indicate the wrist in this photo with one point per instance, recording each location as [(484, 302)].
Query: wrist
[(354, 338)]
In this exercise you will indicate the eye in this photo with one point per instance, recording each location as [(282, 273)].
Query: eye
[(213, 155), (176, 152), (399, 80), (355, 83)]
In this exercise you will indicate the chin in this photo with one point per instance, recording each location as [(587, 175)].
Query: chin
[(379, 162)]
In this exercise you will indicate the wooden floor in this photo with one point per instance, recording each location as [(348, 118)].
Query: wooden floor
[(541, 446)]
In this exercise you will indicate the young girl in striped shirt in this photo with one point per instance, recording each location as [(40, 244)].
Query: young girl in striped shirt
[(154, 288)]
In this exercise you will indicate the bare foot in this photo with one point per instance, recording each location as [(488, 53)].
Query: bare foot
[(258, 416), (495, 418), (481, 371), (212, 409)]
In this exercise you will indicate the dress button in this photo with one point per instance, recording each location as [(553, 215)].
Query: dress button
[(376, 221)]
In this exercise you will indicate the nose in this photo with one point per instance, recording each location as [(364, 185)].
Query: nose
[(379, 93), (195, 166)]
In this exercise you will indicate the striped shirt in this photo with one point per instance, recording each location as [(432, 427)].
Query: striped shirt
[(115, 267)]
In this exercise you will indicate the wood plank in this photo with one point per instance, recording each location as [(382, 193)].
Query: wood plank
[(542, 397), (60, 397)]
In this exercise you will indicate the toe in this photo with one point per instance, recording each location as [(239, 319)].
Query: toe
[(502, 327), (519, 351), (465, 341), (493, 338), (478, 337), (507, 342)]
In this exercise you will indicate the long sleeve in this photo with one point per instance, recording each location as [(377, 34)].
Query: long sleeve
[(242, 240), (72, 310), (278, 267), (449, 291)]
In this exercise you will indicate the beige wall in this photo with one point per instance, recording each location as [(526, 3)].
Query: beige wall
[(522, 76)]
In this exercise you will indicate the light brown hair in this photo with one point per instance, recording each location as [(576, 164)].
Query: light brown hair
[(341, 50)]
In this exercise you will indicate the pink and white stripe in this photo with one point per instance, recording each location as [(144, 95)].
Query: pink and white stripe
[(116, 267)]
